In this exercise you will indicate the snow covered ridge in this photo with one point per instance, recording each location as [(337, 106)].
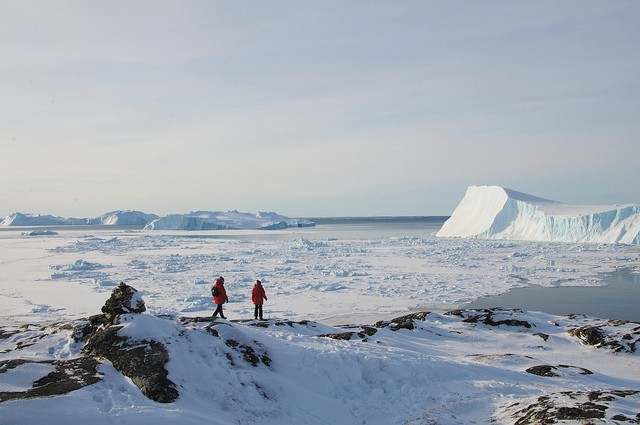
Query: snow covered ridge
[(494, 212), (122, 218), (230, 220), (504, 367)]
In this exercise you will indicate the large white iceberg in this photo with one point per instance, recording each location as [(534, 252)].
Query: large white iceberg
[(494, 212), (229, 220)]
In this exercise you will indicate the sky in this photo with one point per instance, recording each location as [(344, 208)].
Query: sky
[(324, 108)]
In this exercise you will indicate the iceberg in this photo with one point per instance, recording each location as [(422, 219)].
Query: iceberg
[(20, 219), (495, 212), (230, 220), (121, 218)]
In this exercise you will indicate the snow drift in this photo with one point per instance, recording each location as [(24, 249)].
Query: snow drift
[(494, 212), (231, 220)]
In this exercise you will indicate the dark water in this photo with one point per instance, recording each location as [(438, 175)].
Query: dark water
[(618, 299)]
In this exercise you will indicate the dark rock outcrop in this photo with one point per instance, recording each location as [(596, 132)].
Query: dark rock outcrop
[(574, 406), (486, 317), (365, 331), (67, 376), (556, 371), (616, 335), (142, 361), (124, 299), (403, 322)]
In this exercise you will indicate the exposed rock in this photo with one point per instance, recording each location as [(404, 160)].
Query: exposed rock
[(591, 335), (541, 335), (249, 353), (542, 370), (486, 316), (344, 336), (365, 332), (68, 375), (124, 299), (403, 322), (571, 406), (617, 335), (142, 361), (557, 371)]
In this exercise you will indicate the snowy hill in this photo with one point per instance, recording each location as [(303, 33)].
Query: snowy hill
[(463, 367), (494, 212), (231, 220)]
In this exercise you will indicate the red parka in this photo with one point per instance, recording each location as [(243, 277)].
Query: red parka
[(222, 294), (258, 295)]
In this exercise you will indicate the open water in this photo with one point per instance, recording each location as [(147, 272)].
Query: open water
[(618, 299)]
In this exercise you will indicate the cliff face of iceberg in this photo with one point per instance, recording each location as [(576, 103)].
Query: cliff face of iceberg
[(494, 212)]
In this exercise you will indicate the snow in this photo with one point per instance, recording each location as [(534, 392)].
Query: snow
[(494, 212), (445, 371)]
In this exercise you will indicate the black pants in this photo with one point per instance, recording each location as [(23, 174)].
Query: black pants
[(258, 311), (219, 310)]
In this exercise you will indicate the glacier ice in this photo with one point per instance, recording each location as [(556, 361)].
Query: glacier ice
[(494, 212)]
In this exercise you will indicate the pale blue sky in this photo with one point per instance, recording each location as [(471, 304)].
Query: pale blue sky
[(315, 108)]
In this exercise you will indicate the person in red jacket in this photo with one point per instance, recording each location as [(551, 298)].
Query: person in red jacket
[(258, 296), (219, 296)]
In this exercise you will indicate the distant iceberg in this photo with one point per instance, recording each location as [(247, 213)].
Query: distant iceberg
[(494, 212), (20, 219), (230, 220), (121, 218)]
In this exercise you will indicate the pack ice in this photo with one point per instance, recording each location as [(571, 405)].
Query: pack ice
[(494, 212)]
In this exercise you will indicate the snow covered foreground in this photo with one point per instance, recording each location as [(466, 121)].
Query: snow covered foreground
[(465, 367), (493, 212)]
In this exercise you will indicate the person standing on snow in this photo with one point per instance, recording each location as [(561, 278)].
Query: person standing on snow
[(219, 297), (258, 296)]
